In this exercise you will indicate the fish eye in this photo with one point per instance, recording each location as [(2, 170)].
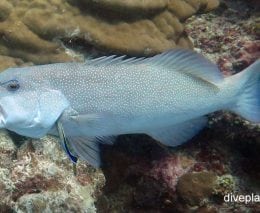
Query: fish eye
[(13, 85)]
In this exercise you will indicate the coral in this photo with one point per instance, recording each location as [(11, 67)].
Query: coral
[(38, 177), (53, 202), (209, 158), (255, 4), (134, 5), (102, 24), (6, 62), (140, 175), (242, 55), (35, 184), (168, 170), (195, 188), (249, 52), (5, 9), (229, 37), (143, 172), (224, 185)]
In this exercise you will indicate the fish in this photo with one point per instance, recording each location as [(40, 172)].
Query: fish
[(167, 96)]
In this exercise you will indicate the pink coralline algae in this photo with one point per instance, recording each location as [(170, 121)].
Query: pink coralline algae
[(230, 36), (37, 177), (248, 53), (147, 172), (242, 55), (156, 186), (169, 169), (210, 159), (35, 184)]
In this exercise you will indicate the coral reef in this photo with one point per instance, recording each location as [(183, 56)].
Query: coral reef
[(224, 184), (6, 62), (34, 30), (230, 36), (194, 188), (139, 174), (38, 177), (224, 154), (145, 176)]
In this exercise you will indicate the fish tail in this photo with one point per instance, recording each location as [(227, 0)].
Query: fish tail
[(248, 103)]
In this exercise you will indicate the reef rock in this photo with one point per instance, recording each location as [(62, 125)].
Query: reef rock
[(33, 30), (38, 177), (6, 61), (141, 173), (194, 188)]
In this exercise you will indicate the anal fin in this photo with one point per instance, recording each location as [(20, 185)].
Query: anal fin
[(178, 133)]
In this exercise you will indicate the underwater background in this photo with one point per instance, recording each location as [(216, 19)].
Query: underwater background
[(139, 175)]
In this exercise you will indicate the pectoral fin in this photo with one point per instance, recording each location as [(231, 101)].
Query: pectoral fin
[(88, 148), (179, 133), (84, 147)]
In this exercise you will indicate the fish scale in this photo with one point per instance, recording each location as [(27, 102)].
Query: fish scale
[(127, 88)]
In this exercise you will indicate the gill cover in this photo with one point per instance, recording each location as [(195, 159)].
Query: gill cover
[(49, 105)]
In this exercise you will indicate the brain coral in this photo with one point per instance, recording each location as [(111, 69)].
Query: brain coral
[(32, 29)]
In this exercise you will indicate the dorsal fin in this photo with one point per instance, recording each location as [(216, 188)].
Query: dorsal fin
[(179, 60), (113, 60), (189, 62)]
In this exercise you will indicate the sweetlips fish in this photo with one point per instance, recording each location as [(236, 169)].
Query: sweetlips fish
[(166, 96)]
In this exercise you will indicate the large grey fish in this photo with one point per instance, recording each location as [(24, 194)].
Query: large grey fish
[(165, 96)]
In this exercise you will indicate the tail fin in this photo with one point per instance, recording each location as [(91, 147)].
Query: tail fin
[(248, 104)]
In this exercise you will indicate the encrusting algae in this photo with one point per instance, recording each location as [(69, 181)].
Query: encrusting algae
[(37, 177)]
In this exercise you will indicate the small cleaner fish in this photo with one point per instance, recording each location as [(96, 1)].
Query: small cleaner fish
[(166, 96)]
